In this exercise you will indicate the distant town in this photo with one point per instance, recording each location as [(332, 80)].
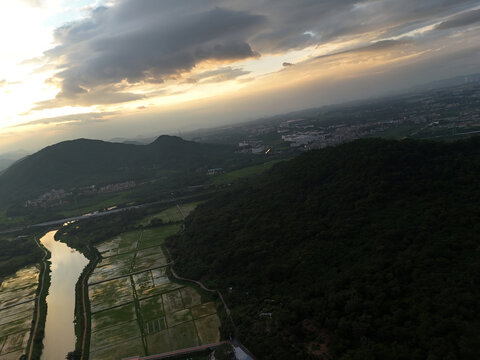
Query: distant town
[(449, 113)]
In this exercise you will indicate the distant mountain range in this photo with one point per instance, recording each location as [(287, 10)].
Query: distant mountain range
[(87, 162), (455, 81), (10, 158)]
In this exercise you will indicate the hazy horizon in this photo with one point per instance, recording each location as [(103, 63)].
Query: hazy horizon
[(122, 69)]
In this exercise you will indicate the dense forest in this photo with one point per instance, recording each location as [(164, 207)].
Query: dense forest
[(370, 250), (17, 252)]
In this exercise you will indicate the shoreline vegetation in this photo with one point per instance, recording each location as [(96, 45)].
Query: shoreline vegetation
[(35, 344)]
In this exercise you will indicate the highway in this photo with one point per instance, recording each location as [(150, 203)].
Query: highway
[(75, 218), (93, 215)]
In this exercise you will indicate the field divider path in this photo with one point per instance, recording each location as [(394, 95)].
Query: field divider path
[(20, 303), (139, 315), (130, 274), (135, 297), (39, 298)]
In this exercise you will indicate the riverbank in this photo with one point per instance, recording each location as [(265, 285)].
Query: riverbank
[(67, 265), (35, 347), (82, 308), (82, 302)]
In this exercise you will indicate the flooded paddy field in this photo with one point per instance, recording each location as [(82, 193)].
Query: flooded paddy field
[(136, 309), (17, 305)]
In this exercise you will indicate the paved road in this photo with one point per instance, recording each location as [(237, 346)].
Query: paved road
[(98, 214), (75, 218)]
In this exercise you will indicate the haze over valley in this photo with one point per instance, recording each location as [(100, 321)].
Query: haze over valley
[(239, 180)]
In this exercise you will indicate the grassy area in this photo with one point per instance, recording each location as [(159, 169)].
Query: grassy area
[(6, 221), (400, 132), (171, 215), (96, 203), (154, 236), (242, 173)]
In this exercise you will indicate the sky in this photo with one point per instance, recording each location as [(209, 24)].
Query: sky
[(127, 68)]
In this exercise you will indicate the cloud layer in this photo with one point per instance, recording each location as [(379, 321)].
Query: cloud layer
[(101, 58)]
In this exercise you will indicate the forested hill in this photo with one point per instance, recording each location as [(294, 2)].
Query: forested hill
[(85, 162), (370, 250)]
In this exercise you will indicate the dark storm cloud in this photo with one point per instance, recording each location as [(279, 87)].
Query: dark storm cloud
[(300, 23), (151, 41), (461, 20)]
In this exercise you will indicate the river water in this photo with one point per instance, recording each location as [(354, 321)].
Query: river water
[(67, 265)]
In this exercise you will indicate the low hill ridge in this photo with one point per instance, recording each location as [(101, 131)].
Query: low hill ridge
[(369, 250), (84, 162)]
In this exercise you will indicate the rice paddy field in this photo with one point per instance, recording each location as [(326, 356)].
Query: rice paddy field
[(17, 305), (136, 309)]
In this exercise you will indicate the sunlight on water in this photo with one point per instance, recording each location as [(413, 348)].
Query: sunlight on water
[(67, 265)]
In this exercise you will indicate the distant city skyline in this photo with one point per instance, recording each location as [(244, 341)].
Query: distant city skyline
[(105, 69)]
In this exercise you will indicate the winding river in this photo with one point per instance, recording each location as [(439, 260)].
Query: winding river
[(67, 265)]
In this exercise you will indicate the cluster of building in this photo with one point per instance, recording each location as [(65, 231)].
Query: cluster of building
[(117, 187), (441, 112), (91, 190), (252, 147), (60, 197), (49, 199)]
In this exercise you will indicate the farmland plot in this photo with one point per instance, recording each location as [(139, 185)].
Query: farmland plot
[(136, 309), (110, 294), (17, 295)]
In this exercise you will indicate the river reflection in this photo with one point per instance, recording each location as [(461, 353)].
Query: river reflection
[(67, 265)]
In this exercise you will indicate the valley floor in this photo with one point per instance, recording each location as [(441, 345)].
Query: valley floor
[(136, 310)]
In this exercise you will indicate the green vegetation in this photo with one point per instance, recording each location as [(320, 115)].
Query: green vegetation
[(133, 301), (225, 352), (170, 215), (244, 173), (95, 230), (40, 313), (364, 251), (17, 252), (82, 163)]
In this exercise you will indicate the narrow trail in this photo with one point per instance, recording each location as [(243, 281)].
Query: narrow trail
[(20, 303), (39, 297), (235, 340)]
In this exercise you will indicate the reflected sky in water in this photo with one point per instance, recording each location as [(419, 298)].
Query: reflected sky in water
[(67, 265)]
